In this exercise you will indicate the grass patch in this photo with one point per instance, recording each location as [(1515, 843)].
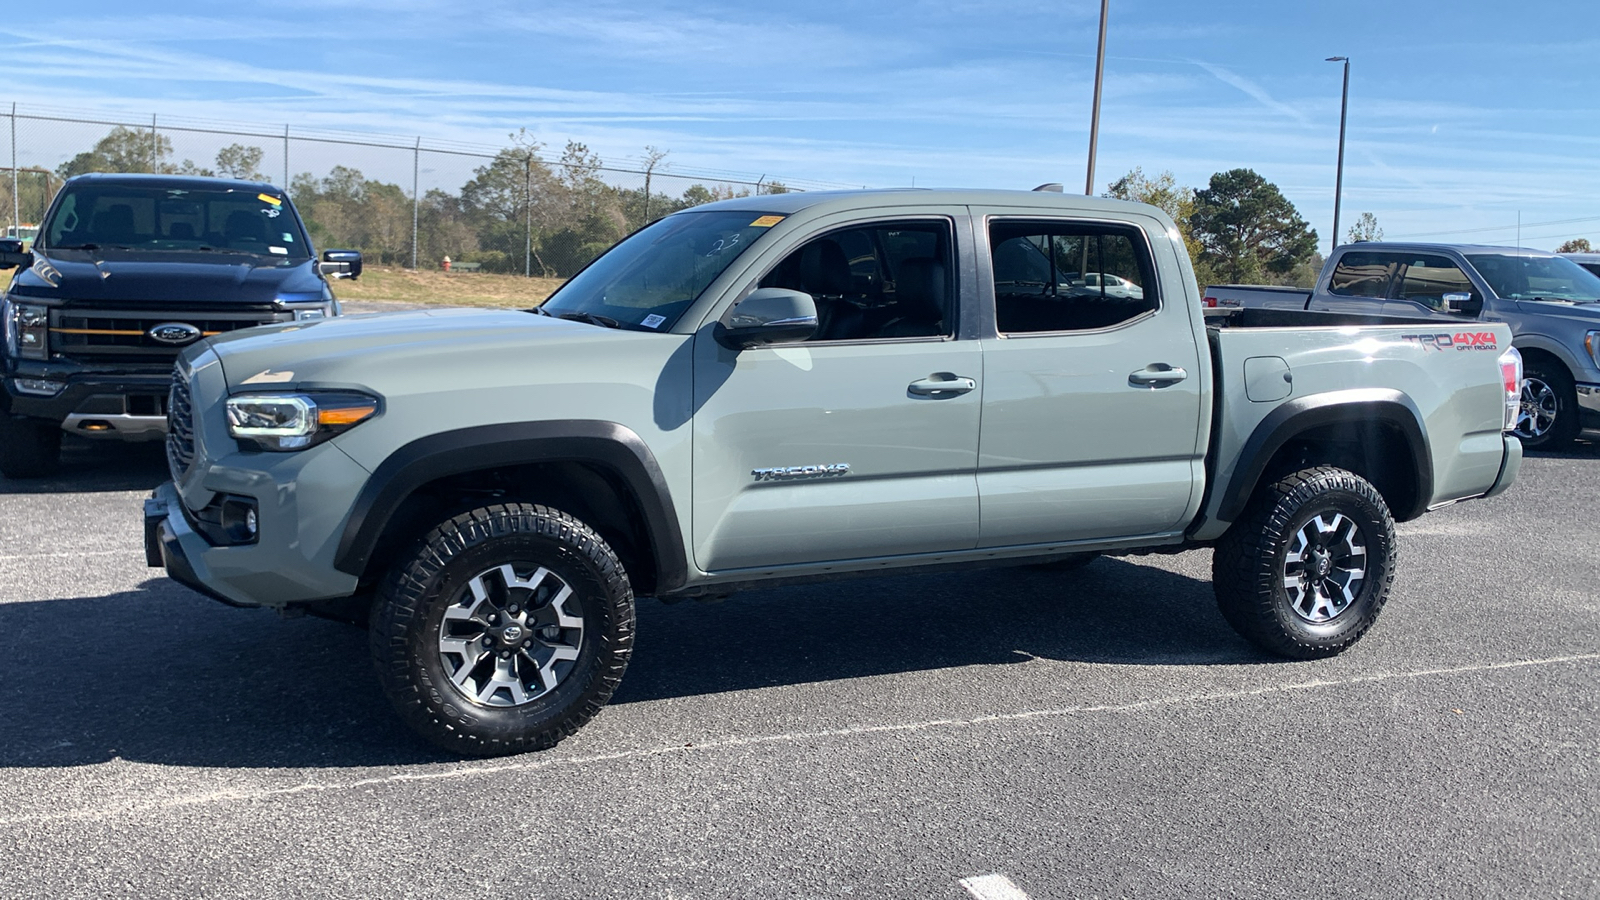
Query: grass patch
[(433, 287)]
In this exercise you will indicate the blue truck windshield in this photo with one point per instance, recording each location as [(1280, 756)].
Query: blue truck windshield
[(134, 217), (1536, 277), (649, 279)]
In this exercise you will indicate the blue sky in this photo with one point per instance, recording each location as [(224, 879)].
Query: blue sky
[(1462, 115)]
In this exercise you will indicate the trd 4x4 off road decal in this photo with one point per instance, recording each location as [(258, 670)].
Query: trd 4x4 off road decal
[(1461, 340)]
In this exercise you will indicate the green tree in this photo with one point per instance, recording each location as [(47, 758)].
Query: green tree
[(1164, 193), (1576, 245), (123, 150), (1365, 229), (241, 162), (1247, 229), (344, 209)]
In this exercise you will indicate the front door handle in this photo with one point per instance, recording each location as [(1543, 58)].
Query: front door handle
[(940, 385), (1157, 375)]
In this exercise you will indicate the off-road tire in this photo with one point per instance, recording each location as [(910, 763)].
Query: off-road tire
[(29, 448), (411, 606), (1560, 433), (1250, 563)]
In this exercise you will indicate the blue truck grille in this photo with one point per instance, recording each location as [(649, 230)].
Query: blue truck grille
[(180, 425)]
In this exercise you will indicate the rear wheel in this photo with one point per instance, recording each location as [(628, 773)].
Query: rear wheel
[(29, 448), (1548, 418), (508, 628), (1305, 573)]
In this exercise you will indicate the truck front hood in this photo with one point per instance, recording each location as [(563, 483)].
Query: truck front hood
[(1587, 313), (123, 276), (372, 349)]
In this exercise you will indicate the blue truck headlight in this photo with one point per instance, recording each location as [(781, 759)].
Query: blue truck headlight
[(282, 422), (27, 329)]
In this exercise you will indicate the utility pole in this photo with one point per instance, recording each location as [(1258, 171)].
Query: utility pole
[(16, 194), (527, 212), (1099, 77), (1338, 181), (416, 199)]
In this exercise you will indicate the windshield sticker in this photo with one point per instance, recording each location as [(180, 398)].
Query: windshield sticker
[(766, 221), (269, 199), (281, 251), (653, 321), (288, 238)]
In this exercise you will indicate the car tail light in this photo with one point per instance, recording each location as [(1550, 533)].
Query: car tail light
[(1209, 303), (1511, 379)]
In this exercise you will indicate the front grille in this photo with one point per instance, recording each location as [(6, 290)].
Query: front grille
[(124, 335), (180, 425)]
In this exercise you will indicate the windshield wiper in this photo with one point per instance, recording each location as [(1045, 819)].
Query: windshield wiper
[(591, 319), (75, 247)]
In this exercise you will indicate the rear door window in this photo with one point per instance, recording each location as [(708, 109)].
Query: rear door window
[(1068, 276), (1425, 280), (1362, 274)]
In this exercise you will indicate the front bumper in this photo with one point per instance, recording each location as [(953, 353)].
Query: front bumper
[(1589, 405), (303, 502), (129, 406)]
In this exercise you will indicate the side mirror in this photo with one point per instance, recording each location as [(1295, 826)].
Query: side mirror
[(341, 263), (12, 255), (768, 316), (1463, 304)]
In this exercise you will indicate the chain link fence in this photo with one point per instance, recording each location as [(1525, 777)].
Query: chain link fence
[(405, 201)]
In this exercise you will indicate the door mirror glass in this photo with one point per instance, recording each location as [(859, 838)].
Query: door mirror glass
[(341, 263), (1463, 304), (768, 316), (12, 255)]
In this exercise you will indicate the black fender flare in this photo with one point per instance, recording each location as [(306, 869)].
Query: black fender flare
[(1295, 417), (608, 445)]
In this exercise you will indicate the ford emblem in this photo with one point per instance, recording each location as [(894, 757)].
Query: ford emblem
[(174, 333)]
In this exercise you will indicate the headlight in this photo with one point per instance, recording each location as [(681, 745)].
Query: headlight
[(300, 312), (1591, 342), (27, 329), (295, 421)]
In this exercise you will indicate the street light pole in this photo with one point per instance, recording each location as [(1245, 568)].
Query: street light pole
[(1338, 182), (1099, 76)]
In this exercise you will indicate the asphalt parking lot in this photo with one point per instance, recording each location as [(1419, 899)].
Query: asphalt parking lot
[(1094, 734)]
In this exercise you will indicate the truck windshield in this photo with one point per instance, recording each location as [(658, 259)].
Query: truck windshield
[(649, 279), (153, 218), (1536, 277)]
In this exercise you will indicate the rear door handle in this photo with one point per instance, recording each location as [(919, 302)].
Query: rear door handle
[(1157, 374), (940, 385)]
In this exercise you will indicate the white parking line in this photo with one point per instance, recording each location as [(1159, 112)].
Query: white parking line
[(993, 887), (531, 763)]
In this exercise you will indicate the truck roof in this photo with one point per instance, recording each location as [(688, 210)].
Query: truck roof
[(1435, 247), (839, 201), (190, 182)]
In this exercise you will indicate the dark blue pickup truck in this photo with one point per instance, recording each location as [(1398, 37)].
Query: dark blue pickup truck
[(126, 271)]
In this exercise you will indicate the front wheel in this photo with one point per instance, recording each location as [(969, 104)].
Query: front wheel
[(1306, 571), (506, 630)]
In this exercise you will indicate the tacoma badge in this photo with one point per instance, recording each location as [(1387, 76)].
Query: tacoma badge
[(827, 470)]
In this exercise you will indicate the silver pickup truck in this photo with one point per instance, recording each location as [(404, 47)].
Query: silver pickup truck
[(806, 386), (1551, 302)]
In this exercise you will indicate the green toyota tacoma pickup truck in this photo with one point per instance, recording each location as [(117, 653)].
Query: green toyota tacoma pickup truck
[(803, 386)]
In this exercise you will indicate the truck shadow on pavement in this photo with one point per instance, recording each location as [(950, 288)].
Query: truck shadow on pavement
[(90, 466), (161, 675)]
